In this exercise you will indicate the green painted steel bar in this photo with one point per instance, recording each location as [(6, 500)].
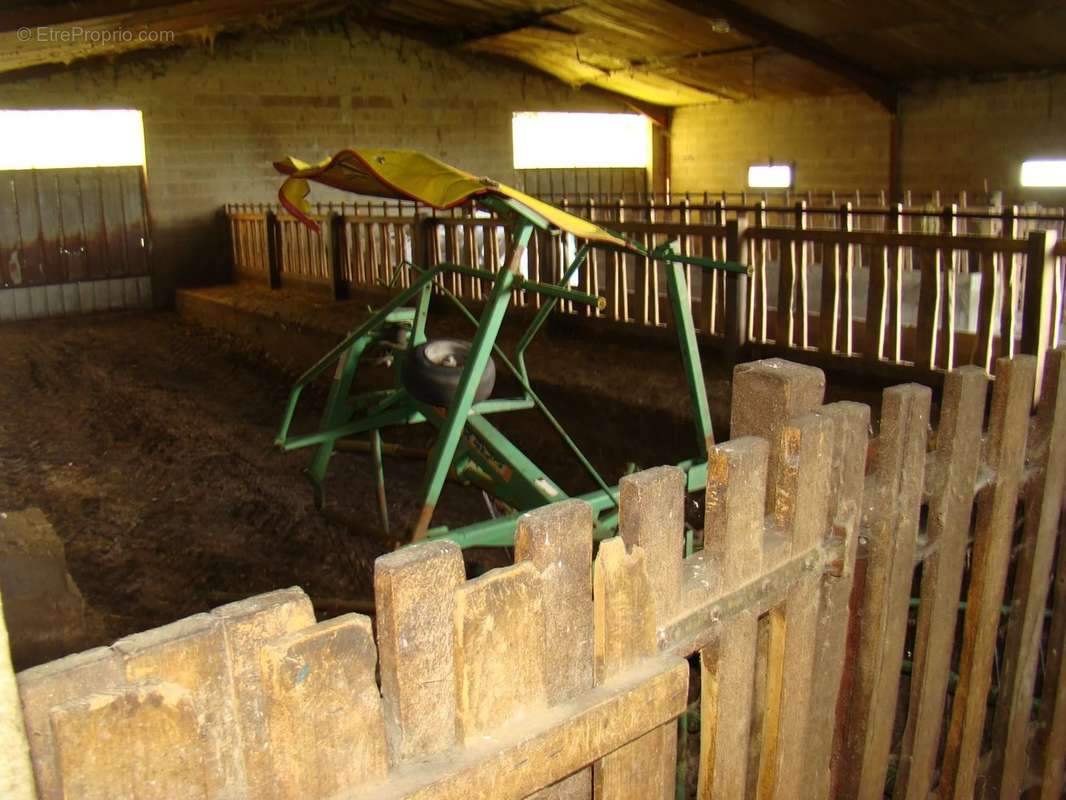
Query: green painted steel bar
[(399, 416), (337, 411), (502, 404), (443, 452), (527, 486), (548, 289), (678, 289), (545, 310), (375, 320), (532, 395), (379, 476), (499, 532)]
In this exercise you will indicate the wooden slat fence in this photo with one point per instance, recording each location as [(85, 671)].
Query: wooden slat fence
[(902, 298), (564, 674)]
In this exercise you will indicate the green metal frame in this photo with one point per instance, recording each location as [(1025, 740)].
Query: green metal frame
[(468, 447)]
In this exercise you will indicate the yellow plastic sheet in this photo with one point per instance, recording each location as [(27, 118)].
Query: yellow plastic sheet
[(411, 175)]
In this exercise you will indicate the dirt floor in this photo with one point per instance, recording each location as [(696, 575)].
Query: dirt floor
[(147, 442)]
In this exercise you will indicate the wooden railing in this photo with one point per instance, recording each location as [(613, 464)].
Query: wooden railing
[(907, 299), (568, 669)]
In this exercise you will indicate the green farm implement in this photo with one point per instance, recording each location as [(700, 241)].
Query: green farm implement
[(447, 383)]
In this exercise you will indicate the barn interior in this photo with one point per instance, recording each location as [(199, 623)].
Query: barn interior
[(855, 197)]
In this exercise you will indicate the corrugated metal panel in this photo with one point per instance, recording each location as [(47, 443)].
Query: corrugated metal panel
[(73, 241), (83, 297)]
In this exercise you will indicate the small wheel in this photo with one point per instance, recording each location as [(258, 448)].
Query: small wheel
[(432, 370)]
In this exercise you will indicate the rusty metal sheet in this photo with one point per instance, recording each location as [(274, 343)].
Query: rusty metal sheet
[(64, 233)]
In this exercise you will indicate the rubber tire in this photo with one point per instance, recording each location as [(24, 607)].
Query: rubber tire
[(432, 382)]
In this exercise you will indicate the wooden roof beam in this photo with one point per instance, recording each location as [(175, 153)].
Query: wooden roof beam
[(763, 29)]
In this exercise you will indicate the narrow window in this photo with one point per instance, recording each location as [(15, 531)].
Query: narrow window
[(1044, 172), (769, 176), (48, 139)]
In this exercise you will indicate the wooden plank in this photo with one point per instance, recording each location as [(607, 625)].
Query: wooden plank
[(989, 561), (733, 522), (786, 288), (414, 592), (322, 710), (625, 635), (890, 528), (801, 486), (1052, 717), (548, 746), (930, 294), (768, 393), (1037, 317), (800, 268), (953, 473), (652, 517), (1032, 578), (850, 433), (16, 771), (832, 268), (499, 613), (873, 348), (557, 540)]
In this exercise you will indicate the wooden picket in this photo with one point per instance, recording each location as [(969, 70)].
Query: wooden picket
[(563, 675)]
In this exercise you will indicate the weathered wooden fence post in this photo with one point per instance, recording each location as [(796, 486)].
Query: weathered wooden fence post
[(890, 533), (736, 290), (990, 558), (953, 467), (1032, 576), (1037, 310), (338, 255), (273, 239)]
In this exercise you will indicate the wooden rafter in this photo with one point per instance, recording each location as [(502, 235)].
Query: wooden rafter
[(765, 30)]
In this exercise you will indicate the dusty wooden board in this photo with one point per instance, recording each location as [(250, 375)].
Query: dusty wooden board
[(801, 507), (625, 635), (414, 590), (727, 671), (192, 653), (248, 625), (767, 394), (499, 650), (549, 744), (55, 683), (16, 773), (850, 433), (1052, 718), (652, 517), (890, 527), (144, 740), (990, 558), (325, 731), (557, 540), (1032, 578), (733, 534), (953, 473)]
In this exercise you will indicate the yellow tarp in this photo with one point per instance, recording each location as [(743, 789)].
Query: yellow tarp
[(411, 175)]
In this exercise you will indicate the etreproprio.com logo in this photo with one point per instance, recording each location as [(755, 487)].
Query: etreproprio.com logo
[(76, 34)]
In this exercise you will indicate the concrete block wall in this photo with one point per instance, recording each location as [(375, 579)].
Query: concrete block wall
[(955, 135), (838, 142), (216, 118)]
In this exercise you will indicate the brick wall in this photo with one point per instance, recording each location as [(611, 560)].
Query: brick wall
[(216, 119), (955, 135)]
